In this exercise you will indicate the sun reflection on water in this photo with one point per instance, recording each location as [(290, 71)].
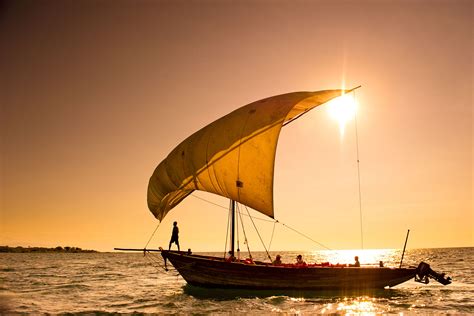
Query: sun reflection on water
[(352, 306), (364, 306)]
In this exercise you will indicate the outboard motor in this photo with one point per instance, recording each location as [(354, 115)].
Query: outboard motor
[(424, 272)]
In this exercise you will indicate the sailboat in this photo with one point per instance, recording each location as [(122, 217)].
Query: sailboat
[(234, 157)]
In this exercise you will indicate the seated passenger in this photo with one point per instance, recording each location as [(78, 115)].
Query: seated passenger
[(277, 261), (249, 261), (300, 261), (231, 257), (357, 263)]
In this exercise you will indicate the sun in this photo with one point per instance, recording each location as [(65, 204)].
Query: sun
[(342, 109)]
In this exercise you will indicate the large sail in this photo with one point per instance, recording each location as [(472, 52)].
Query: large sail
[(233, 157)]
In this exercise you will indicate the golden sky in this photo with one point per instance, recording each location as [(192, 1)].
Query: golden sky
[(95, 94)]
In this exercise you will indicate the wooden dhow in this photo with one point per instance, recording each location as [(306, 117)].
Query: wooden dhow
[(234, 157)]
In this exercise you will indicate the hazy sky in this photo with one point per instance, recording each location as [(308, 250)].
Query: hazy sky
[(94, 94)]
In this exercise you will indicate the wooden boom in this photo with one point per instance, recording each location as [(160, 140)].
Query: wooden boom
[(135, 249)]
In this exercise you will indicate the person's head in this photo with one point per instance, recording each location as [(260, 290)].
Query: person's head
[(175, 223), (299, 257), (356, 258), (278, 257)]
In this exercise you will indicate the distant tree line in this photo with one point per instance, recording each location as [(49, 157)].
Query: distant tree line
[(43, 249)]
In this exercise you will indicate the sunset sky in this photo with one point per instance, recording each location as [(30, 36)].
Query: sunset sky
[(94, 94)]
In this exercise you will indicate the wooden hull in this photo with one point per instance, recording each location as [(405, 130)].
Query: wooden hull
[(213, 272)]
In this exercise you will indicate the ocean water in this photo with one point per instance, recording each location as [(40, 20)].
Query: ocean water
[(88, 283)]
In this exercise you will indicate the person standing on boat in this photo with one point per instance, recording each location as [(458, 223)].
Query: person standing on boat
[(174, 236)]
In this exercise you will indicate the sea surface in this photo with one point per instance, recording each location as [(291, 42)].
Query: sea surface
[(89, 283)]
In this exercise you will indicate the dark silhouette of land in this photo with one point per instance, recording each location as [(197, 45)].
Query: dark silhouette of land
[(43, 249)]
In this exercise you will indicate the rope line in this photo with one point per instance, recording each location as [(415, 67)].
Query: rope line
[(271, 238), (150, 262), (237, 233), (246, 242), (265, 220), (227, 231), (202, 199), (358, 177), (221, 206), (258, 233), (152, 235), (154, 260), (305, 236)]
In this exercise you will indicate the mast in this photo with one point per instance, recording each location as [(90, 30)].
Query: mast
[(404, 246), (232, 229)]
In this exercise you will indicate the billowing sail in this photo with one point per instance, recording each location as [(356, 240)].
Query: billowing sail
[(233, 157)]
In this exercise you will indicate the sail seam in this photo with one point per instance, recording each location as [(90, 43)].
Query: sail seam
[(208, 167), (238, 182)]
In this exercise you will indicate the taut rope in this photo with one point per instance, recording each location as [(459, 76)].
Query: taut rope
[(358, 177)]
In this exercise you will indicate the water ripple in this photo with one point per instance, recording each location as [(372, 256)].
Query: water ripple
[(105, 283)]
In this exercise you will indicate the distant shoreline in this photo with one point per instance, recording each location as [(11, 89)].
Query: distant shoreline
[(58, 249)]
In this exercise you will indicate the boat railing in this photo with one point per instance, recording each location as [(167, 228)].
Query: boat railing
[(249, 261)]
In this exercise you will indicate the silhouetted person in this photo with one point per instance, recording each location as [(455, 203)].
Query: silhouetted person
[(357, 263), (277, 260), (174, 236), (300, 261)]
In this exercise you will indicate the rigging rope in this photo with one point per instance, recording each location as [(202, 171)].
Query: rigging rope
[(246, 242), (227, 230), (155, 260), (152, 263), (305, 236), (202, 199), (152, 235), (265, 220), (271, 238), (258, 218), (258, 233), (238, 239), (358, 176)]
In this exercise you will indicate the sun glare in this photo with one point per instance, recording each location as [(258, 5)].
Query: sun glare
[(342, 109), (366, 256)]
